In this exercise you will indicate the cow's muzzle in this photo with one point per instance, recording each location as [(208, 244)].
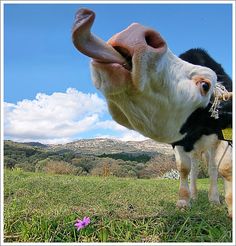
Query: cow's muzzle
[(121, 47)]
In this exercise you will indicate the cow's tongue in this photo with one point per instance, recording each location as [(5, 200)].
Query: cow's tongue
[(89, 44)]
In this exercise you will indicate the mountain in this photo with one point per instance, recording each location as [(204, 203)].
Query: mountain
[(142, 159), (100, 146)]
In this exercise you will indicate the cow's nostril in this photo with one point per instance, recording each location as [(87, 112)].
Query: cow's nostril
[(154, 40), (126, 54)]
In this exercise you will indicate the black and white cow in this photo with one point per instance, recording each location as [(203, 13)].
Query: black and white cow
[(164, 97)]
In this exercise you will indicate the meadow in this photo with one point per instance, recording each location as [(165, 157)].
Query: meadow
[(41, 207)]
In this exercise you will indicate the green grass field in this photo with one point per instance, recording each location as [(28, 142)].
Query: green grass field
[(43, 208)]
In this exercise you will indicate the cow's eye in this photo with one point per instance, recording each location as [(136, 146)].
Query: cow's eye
[(203, 84), (205, 87)]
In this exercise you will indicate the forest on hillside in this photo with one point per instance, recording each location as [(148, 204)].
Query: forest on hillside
[(39, 158)]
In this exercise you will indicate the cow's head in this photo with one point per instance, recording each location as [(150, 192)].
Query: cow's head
[(146, 86)]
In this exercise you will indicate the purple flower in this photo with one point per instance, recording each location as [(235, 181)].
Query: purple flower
[(82, 223)]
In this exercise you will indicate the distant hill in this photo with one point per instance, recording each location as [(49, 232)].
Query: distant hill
[(25, 144), (35, 144), (100, 146), (100, 156)]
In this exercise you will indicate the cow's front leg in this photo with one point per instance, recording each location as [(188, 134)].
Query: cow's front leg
[(183, 163), (193, 177), (224, 161), (213, 194)]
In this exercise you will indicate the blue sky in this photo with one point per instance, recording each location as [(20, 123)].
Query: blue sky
[(41, 63)]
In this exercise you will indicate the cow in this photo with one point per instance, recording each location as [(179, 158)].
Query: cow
[(200, 129), (170, 99)]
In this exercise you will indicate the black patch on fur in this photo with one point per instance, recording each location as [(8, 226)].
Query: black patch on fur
[(200, 121)]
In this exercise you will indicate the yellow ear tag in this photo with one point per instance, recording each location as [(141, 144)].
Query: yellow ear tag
[(227, 133)]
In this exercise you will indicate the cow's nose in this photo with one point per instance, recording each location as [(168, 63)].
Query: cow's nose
[(137, 38)]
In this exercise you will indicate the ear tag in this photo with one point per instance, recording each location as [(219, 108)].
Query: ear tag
[(227, 134)]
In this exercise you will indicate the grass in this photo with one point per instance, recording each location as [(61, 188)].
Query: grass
[(43, 208)]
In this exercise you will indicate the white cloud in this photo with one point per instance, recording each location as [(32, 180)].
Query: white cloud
[(56, 116), (60, 118)]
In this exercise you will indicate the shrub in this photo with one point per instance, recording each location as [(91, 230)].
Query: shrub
[(87, 163), (157, 166), (26, 166), (101, 170), (111, 167), (9, 162), (119, 169), (40, 165), (60, 167)]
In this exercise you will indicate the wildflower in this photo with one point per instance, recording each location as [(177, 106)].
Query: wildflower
[(80, 224)]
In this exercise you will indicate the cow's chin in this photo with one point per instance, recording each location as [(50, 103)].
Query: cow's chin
[(110, 78)]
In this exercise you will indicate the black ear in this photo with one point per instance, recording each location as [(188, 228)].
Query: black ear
[(201, 57)]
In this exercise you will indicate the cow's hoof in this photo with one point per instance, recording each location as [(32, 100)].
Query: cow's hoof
[(182, 204), (193, 196), (214, 198), (214, 201)]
